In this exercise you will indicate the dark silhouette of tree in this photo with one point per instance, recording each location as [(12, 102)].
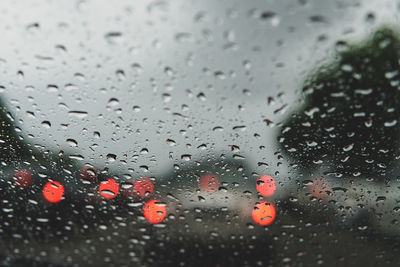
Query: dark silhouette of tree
[(11, 144), (350, 118)]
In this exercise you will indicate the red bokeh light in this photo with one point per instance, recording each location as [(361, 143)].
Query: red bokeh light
[(88, 173), (154, 211), (144, 187), (109, 189), (209, 183), (53, 191), (320, 188), (266, 186), (264, 213), (22, 178)]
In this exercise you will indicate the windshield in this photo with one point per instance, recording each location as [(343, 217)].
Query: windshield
[(194, 133)]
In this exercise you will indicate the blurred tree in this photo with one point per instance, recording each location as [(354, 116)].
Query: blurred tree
[(349, 120), (11, 144)]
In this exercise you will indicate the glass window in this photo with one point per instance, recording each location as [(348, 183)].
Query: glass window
[(195, 133)]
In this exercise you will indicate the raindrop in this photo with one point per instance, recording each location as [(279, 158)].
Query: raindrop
[(111, 157), (370, 17), (72, 142), (390, 123), (218, 129), (51, 88), (348, 147), (241, 128), (70, 87), (202, 96), (77, 157), (271, 17), (33, 27), (186, 157), (78, 114), (42, 220), (113, 102), (171, 142), (46, 124), (318, 19), (166, 97), (220, 75), (114, 38), (120, 75), (342, 46)]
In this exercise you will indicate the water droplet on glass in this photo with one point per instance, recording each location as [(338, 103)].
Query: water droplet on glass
[(114, 38), (111, 157)]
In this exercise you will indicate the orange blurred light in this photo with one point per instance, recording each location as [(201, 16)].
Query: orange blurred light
[(264, 213), (319, 189), (144, 187), (266, 186), (154, 211), (53, 191), (109, 189), (22, 178), (209, 183)]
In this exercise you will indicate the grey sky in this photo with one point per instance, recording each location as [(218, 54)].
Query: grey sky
[(185, 68)]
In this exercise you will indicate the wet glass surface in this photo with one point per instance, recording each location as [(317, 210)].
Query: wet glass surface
[(194, 133)]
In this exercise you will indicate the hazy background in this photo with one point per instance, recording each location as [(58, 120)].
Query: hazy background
[(190, 71)]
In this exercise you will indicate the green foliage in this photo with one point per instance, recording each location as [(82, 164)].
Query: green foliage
[(349, 118)]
